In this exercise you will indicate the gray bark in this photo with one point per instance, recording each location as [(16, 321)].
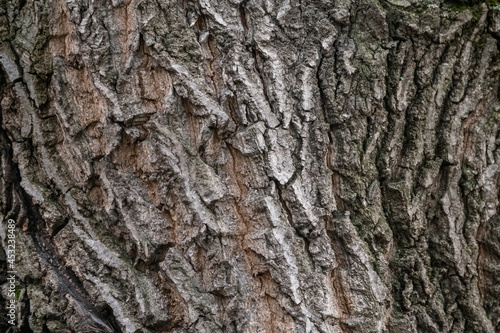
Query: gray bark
[(251, 166)]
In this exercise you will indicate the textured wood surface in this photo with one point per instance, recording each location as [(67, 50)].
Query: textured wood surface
[(252, 166)]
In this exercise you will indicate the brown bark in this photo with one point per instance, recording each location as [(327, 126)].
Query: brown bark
[(251, 166)]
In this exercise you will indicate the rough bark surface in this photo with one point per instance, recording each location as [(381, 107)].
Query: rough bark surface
[(252, 166)]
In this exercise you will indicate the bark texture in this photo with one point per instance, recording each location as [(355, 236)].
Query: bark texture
[(252, 166)]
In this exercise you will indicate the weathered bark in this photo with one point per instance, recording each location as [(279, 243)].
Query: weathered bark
[(252, 166)]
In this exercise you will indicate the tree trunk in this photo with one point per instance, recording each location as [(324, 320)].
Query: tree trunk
[(251, 166)]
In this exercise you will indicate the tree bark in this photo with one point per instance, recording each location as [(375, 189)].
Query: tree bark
[(251, 166)]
